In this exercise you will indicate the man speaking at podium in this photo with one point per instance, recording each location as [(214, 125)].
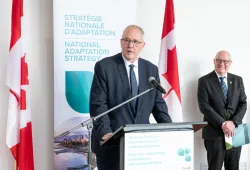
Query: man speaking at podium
[(117, 79)]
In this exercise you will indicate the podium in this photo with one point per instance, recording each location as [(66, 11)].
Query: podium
[(156, 146)]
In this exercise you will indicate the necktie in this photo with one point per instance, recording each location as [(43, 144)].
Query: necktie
[(133, 84), (223, 85)]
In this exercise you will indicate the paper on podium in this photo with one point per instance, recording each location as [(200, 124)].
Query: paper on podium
[(241, 136)]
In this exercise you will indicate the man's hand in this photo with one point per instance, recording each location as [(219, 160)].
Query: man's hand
[(106, 136), (228, 128)]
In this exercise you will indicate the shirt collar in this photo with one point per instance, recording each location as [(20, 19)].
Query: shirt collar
[(127, 63), (218, 75)]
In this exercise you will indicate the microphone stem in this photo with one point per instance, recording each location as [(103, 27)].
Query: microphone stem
[(95, 118)]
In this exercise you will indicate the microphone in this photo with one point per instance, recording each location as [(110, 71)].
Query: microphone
[(157, 85)]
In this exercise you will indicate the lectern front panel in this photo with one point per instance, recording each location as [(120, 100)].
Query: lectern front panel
[(157, 150)]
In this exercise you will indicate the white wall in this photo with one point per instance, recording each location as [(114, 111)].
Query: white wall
[(202, 28)]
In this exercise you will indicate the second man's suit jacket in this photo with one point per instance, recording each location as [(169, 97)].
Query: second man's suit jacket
[(216, 108), (110, 87)]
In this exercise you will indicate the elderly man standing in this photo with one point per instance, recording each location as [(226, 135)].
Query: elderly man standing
[(222, 101)]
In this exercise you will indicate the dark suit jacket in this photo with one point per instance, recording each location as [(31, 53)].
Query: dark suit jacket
[(214, 106), (110, 87)]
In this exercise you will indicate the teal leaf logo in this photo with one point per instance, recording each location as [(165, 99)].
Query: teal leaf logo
[(77, 89), (187, 150), (185, 153), (187, 158), (181, 152)]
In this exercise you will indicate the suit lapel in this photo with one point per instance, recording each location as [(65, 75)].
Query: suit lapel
[(216, 83), (142, 84), (229, 85), (124, 77)]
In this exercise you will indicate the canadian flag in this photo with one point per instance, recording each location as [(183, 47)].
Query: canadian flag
[(168, 65), (19, 129)]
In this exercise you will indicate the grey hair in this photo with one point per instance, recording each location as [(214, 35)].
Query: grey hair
[(134, 27), (223, 51)]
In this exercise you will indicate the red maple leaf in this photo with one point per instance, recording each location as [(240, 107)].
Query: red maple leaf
[(172, 75)]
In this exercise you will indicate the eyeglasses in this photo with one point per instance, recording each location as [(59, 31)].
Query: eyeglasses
[(218, 61), (128, 41)]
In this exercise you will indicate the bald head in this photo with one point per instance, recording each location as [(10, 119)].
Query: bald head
[(223, 53), (222, 62)]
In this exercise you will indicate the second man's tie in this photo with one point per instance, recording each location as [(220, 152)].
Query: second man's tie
[(223, 86)]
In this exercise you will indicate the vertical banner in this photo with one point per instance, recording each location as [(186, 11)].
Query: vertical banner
[(84, 32)]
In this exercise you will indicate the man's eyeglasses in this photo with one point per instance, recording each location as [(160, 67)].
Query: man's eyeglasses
[(218, 61), (128, 41)]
